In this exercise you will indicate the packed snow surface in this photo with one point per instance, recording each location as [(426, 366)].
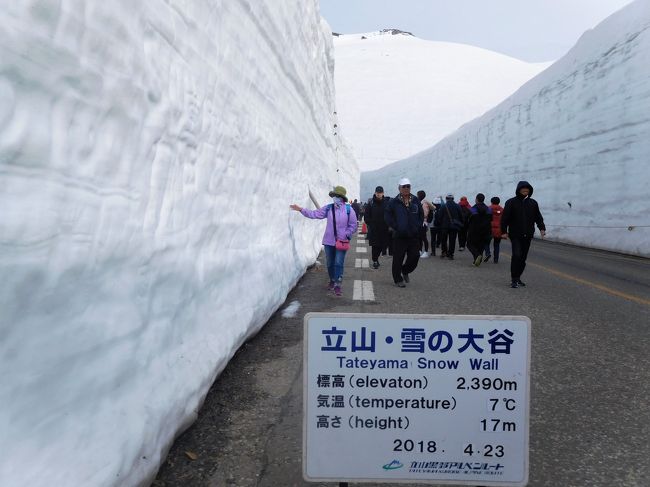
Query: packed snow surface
[(579, 132), (291, 310), (149, 152), (398, 95)]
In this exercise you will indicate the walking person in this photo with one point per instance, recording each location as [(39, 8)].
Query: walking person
[(465, 209), (520, 215), (449, 220), (341, 225), (479, 228), (435, 230), (405, 216), (378, 235), (497, 211), (424, 231)]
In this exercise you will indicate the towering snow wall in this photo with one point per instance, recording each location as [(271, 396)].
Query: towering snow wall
[(149, 152), (579, 132)]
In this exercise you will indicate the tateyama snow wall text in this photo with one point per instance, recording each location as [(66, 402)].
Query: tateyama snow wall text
[(579, 132), (149, 152)]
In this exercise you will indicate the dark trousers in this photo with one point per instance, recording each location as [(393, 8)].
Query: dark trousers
[(409, 247), (448, 240), (477, 248), (424, 241), (435, 239), (496, 245), (520, 248), (462, 237), (376, 252)]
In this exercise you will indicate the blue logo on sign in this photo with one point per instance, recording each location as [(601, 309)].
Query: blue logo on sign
[(394, 465)]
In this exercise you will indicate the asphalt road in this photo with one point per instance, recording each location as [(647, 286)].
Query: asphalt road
[(590, 380)]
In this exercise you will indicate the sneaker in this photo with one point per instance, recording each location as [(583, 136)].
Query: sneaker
[(460, 249), (337, 290), (487, 257), (521, 283), (514, 285), (424, 255), (443, 255), (400, 284), (478, 260), (330, 286), (406, 278), (375, 264)]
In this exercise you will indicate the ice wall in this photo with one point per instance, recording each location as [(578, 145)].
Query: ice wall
[(149, 152), (579, 132)]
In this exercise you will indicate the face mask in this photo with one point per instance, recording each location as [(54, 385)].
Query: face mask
[(336, 199)]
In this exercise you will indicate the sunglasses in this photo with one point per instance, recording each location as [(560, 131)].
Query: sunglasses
[(406, 186)]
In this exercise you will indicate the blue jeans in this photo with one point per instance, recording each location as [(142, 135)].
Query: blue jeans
[(335, 260)]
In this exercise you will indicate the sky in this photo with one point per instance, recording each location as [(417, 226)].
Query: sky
[(531, 30)]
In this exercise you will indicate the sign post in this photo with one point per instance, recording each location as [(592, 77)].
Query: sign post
[(416, 398)]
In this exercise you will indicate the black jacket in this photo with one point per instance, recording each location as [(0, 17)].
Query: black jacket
[(521, 214), (479, 228), (442, 219), (374, 217), (405, 222)]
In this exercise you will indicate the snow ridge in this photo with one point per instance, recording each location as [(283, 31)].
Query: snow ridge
[(398, 95), (578, 132)]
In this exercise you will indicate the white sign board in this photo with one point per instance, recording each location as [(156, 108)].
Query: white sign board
[(416, 398)]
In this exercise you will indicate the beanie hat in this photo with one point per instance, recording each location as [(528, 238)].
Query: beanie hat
[(339, 191)]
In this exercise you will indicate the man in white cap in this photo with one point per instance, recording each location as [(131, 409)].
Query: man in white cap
[(405, 216)]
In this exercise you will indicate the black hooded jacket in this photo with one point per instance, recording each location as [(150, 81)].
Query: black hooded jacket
[(521, 214)]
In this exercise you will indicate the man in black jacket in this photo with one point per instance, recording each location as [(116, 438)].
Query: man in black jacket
[(378, 235), (405, 216), (449, 218), (520, 215)]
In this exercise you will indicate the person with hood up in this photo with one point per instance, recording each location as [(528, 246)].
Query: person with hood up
[(479, 228), (449, 219), (341, 225), (465, 209), (520, 215), (405, 216), (497, 211), (378, 235)]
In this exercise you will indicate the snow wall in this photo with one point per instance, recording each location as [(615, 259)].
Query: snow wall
[(579, 132), (149, 152)]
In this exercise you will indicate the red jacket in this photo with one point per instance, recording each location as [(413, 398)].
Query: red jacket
[(497, 211)]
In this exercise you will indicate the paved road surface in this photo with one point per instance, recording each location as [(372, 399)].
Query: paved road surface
[(590, 385)]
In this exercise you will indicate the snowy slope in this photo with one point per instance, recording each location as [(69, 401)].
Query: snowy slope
[(149, 152), (398, 95), (579, 132)]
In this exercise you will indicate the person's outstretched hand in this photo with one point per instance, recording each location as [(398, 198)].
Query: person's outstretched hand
[(295, 207)]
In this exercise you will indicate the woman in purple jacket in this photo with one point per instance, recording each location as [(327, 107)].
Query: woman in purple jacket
[(346, 226)]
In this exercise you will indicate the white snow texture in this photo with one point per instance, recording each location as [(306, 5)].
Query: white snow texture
[(149, 152), (398, 95), (578, 132)]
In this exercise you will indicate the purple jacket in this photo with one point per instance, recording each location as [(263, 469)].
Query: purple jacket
[(346, 225)]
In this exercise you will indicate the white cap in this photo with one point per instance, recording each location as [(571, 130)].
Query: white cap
[(404, 181)]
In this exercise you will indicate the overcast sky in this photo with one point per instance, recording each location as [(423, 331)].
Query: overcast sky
[(532, 30)]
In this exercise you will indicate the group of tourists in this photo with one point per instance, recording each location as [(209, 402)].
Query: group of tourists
[(400, 226)]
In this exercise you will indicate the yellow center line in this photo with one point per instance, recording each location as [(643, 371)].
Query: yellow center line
[(586, 282)]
